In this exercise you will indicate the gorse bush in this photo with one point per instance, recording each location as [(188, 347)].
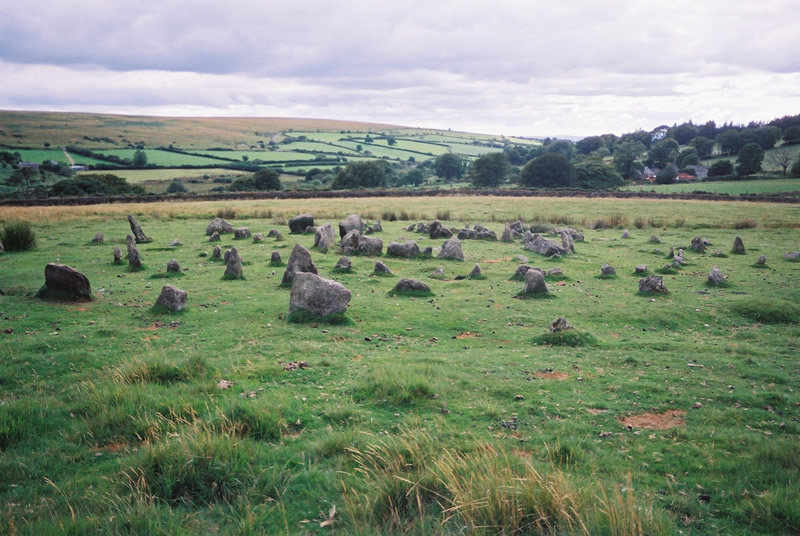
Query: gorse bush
[(18, 236)]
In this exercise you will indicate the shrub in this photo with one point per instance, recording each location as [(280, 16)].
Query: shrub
[(721, 168), (567, 337), (18, 236)]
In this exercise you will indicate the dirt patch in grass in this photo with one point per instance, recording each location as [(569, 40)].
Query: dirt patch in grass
[(655, 421), (596, 411), (551, 375), (467, 335)]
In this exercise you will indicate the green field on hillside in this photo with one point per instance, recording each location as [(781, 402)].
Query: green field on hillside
[(743, 187), (456, 412)]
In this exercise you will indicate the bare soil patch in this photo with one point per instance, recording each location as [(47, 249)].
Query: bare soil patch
[(655, 421), (551, 375)]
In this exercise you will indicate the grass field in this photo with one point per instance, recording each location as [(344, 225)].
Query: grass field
[(448, 414), (763, 186)]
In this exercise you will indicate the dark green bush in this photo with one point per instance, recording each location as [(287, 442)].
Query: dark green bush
[(18, 236)]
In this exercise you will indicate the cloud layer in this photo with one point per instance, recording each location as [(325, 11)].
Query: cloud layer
[(528, 68)]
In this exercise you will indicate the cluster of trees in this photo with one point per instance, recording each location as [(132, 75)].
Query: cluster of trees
[(95, 184), (139, 159), (262, 180)]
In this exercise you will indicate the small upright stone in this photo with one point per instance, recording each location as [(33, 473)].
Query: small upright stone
[(762, 260), (566, 242), (475, 273), (607, 270), (275, 259), (349, 242), (716, 277), (272, 233), (344, 264), (377, 227), (698, 244), (214, 237), (233, 268), (172, 298), (62, 281), (626, 234), (98, 238), (241, 233), (175, 243), (438, 273), (437, 230), (173, 266), (738, 246), (133, 253), (655, 240), (278, 237), (559, 324), (534, 283), (324, 238), (520, 272), (640, 268), (381, 269), (508, 234), (793, 256), (258, 238), (117, 255), (216, 253)]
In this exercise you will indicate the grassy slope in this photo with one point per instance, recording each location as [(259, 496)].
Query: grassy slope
[(762, 186), (118, 409)]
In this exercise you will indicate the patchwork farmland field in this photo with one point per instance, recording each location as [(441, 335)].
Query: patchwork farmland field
[(453, 413)]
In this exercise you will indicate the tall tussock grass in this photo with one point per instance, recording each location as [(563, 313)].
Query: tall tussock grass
[(410, 483), (226, 213), (17, 236)]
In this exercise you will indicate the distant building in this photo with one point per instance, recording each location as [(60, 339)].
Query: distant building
[(701, 172), (76, 167), (685, 177), (31, 165)]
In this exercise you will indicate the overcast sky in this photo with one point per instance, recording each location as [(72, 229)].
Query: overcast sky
[(535, 68)]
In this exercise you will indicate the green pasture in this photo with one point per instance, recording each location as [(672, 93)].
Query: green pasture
[(743, 187), (165, 158), (453, 413)]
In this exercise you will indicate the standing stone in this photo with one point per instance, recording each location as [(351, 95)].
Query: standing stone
[(233, 268), (555, 271), (344, 264), (136, 229), (299, 223), (626, 234), (98, 238), (698, 244), (216, 253), (133, 253), (214, 237), (475, 273), (175, 243), (318, 296), (275, 259), (349, 242), (486, 234), (527, 237), (438, 273), (762, 260), (381, 268), (671, 253), (67, 281), (173, 266), (508, 235), (272, 233), (559, 324), (278, 237), (520, 272), (299, 261), (655, 240), (258, 238), (521, 258), (427, 252), (792, 256), (410, 228), (451, 249), (566, 242), (652, 283), (350, 223), (370, 246), (738, 246), (534, 283), (716, 277), (219, 226), (411, 285), (406, 249), (437, 230), (544, 246), (640, 268), (607, 270), (117, 255), (172, 298), (310, 230), (517, 227), (324, 238), (241, 233)]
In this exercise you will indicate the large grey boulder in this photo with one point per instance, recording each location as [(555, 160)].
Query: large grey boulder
[(406, 249), (67, 282), (324, 239), (486, 234), (716, 277), (546, 247), (350, 242), (172, 298), (136, 229), (534, 283), (411, 285), (218, 225), (233, 267), (318, 296), (370, 246), (451, 249), (467, 234), (299, 262), (738, 246), (351, 223), (299, 223), (134, 261), (652, 283), (241, 233)]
